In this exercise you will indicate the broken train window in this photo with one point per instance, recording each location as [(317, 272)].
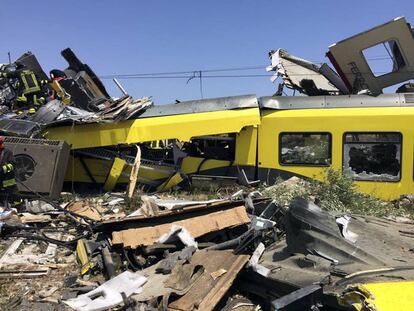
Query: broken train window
[(159, 150), (372, 156), (218, 147), (384, 58), (312, 149)]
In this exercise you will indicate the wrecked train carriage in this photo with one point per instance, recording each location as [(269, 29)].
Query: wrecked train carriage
[(359, 134), (368, 138), (365, 63), (362, 135), (104, 152)]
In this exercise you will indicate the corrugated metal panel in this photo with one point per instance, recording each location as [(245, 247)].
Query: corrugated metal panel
[(202, 105), (342, 101)]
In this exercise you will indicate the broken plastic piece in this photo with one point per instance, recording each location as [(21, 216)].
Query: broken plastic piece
[(109, 294), (343, 223), (254, 261), (178, 232), (82, 254)]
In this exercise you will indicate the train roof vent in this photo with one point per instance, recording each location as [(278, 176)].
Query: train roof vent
[(31, 141)]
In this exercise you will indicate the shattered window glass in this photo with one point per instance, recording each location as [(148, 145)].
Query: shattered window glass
[(305, 149), (384, 58), (218, 147), (158, 151), (373, 156)]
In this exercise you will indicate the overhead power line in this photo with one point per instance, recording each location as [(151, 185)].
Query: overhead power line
[(191, 76), (187, 77), (212, 73), (190, 73)]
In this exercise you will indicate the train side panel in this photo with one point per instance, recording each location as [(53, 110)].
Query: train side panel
[(338, 125)]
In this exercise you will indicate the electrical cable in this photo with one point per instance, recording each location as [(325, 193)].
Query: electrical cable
[(57, 206), (42, 237), (234, 76), (190, 73)]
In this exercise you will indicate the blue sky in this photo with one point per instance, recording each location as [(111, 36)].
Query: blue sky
[(123, 37)]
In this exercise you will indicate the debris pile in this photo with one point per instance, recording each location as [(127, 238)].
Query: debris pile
[(356, 70), (31, 99), (178, 254)]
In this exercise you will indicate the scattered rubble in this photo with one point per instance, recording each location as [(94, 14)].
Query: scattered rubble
[(244, 250), (73, 95)]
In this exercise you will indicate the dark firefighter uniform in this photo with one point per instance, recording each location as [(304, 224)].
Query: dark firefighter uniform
[(31, 91), (7, 173)]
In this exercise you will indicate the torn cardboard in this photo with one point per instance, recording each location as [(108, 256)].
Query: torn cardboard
[(84, 210)]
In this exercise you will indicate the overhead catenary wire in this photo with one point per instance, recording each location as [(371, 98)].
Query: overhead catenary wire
[(231, 76), (259, 67), (189, 77), (190, 74)]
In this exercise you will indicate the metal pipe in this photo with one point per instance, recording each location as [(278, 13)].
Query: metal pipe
[(120, 86)]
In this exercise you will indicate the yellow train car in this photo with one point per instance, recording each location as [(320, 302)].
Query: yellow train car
[(200, 137), (369, 138)]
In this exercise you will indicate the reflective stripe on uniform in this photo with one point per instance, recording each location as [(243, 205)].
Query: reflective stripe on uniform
[(29, 81), (22, 99), (9, 182), (38, 101), (7, 168)]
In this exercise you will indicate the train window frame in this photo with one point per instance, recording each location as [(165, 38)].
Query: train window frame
[(401, 142), (329, 135), (394, 57), (231, 138)]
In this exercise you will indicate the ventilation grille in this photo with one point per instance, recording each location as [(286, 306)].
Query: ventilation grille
[(409, 98), (31, 141)]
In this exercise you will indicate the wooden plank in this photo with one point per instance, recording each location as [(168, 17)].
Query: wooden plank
[(21, 274), (10, 251), (222, 286), (176, 211), (196, 226), (207, 292), (27, 218), (133, 177)]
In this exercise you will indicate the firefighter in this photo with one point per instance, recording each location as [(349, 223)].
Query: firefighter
[(58, 92), (32, 92), (57, 75), (8, 185)]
